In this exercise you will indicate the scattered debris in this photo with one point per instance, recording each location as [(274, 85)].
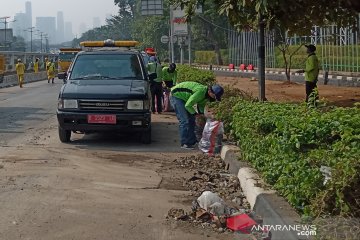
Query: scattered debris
[(219, 202)]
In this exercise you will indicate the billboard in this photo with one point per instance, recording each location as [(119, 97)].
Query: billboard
[(179, 22), (152, 7)]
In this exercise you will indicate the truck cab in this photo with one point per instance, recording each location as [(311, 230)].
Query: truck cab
[(107, 89)]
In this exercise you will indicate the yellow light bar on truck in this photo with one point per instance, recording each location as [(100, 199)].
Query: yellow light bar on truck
[(109, 43)]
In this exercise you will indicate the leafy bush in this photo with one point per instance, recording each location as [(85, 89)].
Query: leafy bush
[(209, 57), (187, 73), (205, 57), (288, 144)]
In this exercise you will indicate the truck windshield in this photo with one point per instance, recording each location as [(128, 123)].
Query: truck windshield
[(106, 66)]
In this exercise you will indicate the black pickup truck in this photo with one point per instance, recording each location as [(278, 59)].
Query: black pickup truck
[(107, 89)]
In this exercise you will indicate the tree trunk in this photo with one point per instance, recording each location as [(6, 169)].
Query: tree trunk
[(287, 68)]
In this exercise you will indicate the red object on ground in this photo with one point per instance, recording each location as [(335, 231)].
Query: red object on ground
[(242, 223), (242, 66), (231, 66), (250, 67)]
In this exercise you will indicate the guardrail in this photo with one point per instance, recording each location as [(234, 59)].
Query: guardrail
[(12, 80), (27, 58)]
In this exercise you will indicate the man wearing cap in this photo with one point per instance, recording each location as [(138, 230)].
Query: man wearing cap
[(20, 71), (184, 96), (311, 70)]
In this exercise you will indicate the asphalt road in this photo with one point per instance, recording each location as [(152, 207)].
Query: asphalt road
[(100, 186)]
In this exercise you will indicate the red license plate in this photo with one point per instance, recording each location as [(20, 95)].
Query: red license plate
[(105, 119)]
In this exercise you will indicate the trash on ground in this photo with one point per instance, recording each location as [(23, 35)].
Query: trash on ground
[(219, 202), (242, 223)]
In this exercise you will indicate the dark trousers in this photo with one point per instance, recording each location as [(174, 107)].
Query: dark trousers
[(309, 88), (156, 93)]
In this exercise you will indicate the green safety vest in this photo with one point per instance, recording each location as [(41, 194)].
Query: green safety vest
[(311, 68), (192, 93)]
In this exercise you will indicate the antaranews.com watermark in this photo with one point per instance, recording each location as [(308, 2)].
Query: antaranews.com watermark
[(301, 230)]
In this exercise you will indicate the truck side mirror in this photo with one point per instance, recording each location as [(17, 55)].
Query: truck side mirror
[(62, 75)]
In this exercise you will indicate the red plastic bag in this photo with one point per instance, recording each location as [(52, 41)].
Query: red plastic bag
[(242, 223)]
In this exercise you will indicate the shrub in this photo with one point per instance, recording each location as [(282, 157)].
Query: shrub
[(209, 57), (288, 144), (188, 73)]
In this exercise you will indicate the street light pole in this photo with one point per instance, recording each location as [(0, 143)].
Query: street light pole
[(46, 42), (41, 40), (31, 30), (5, 22)]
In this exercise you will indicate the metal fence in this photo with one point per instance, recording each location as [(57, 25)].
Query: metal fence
[(338, 48), (243, 48)]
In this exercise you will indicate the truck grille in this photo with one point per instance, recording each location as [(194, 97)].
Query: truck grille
[(106, 105)]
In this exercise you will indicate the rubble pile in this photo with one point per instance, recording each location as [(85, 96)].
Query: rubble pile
[(210, 175), (219, 201)]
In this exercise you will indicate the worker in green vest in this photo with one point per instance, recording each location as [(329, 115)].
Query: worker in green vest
[(311, 70), (155, 70), (186, 95), (169, 75)]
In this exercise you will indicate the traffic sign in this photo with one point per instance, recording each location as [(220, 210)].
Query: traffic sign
[(164, 39)]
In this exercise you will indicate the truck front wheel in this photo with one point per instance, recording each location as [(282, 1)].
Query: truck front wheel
[(146, 136), (64, 135)]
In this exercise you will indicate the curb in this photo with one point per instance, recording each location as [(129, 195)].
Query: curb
[(273, 209)]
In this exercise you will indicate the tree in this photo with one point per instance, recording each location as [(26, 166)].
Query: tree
[(210, 30), (289, 16)]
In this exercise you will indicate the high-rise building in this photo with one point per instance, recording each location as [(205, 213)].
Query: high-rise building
[(82, 28), (60, 30), (69, 35), (23, 22), (20, 25), (96, 22), (47, 25), (28, 12)]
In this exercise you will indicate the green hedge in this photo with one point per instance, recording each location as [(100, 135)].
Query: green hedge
[(209, 57), (288, 144), (187, 73)]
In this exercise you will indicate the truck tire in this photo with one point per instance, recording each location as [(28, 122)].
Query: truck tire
[(146, 136), (64, 135)]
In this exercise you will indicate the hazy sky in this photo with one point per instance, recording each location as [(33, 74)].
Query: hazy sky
[(75, 11)]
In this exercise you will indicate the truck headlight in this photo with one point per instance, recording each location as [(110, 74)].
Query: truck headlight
[(67, 104), (135, 105)]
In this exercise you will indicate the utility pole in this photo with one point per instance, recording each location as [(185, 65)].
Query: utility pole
[(172, 33), (46, 42), (261, 58), (41, 39), (30, 30), (5, 22)]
